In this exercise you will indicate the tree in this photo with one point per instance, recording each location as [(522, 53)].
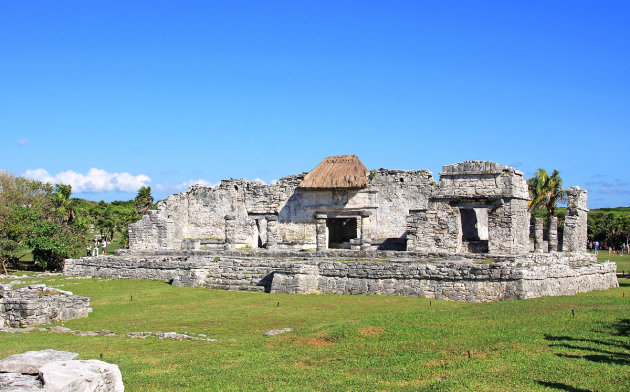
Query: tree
[(143, 200), (21, 200), (545, 191), (37, 217), (64, 206)]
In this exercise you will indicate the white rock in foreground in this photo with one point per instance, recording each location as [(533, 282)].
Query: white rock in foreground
[(30, 361), (16, 382), (88, 376)]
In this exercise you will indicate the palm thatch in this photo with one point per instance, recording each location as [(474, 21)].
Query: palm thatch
[(339, 171)]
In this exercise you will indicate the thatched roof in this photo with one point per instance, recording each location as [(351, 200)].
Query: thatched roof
[(339, 171)]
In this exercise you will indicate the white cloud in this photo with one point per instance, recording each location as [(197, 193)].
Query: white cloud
[(22, 142), (96, 180)]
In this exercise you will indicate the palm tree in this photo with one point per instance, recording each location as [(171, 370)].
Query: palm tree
[(143, 200), (545, 191), (63, 203)]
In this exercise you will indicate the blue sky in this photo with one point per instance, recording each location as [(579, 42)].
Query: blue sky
[(111, 95)]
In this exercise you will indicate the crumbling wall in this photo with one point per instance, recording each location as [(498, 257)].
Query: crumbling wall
[(38, 304), (153, 231)]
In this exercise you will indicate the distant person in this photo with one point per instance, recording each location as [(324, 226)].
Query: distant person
[(596, 247), (88, 250), (95, 248), (610, 250), (104, 245)]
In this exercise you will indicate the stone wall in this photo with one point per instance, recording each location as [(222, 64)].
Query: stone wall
[(38, 304), (459, 277), (198, 214)]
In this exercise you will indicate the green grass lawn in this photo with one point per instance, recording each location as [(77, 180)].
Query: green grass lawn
[(347, 343)]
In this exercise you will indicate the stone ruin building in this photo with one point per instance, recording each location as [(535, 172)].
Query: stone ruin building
[(342, 228)]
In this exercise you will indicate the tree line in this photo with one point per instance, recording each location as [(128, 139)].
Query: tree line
[(44, 220), (610, 226)]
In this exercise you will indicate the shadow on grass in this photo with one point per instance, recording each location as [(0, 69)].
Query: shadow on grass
[(562, 387), (618, 349)]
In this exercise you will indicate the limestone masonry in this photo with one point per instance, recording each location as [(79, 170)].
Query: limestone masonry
[(38, 304), (344, 229)]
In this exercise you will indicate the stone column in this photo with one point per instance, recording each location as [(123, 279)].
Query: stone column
[(320, 229), (553, 234), (272, 232), (365, 230), (230, 226), (538, 235), (575, 225)]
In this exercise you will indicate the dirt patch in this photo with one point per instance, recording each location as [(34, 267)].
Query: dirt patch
[(435, 363), (371, 331), (475, 354), (315, 341)]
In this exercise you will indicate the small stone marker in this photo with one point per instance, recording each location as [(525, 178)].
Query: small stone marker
[(273, 332)]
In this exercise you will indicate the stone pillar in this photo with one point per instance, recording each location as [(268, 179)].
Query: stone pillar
[(320, 229), (230, 226), (272, 232), (365, 230), (553, 234), (575, 225), (538, 235)]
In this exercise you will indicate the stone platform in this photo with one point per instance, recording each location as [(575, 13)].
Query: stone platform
[(458, 277)]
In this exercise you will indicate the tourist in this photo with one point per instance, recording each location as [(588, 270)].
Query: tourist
[(104, 245), (88, 249), (95, 248), (596, 247)]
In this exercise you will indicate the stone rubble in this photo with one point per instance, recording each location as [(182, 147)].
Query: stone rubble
[(274, 332), (107, 333)]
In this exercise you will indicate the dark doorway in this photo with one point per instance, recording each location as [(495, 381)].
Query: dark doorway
[(474, 229), (341, 231), (469, 225)]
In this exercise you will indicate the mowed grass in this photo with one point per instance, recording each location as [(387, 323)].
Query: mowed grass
[(347, 343)]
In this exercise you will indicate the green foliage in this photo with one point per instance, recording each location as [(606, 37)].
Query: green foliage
[(45, 221), (545, 191), (611, 225), (143, 200)]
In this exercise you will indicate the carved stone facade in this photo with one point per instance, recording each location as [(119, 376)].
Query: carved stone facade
[(477, 207)]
